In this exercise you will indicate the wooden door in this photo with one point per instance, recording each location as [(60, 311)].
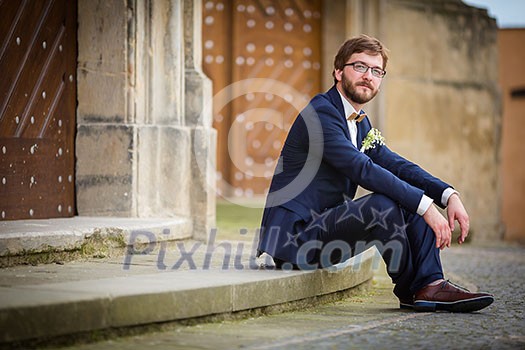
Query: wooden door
[(37, 108), (275, 47)]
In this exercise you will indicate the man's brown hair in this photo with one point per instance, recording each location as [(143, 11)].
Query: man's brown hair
[(361, 43)]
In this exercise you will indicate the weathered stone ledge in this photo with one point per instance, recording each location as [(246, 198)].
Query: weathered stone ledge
[(59, 240)]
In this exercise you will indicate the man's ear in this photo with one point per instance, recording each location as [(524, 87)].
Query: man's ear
[(338, 74)]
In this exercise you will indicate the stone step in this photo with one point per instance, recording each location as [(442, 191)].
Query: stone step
[(154, 286), (60, 240)]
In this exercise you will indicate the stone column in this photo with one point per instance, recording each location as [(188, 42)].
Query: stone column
[(144, 115), (106, 136), (198, 117), (164, 143)]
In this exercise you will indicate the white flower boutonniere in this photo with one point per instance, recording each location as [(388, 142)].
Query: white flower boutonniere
[(372, 139)]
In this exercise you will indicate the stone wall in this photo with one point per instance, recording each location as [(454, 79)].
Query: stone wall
[(512, 80), (442, 101), (143, 113)]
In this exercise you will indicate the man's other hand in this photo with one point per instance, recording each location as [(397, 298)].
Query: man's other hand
[(456, 211), (439, 225)]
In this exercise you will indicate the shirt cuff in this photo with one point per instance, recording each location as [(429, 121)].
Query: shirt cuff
[(424, 204), (446, 195)]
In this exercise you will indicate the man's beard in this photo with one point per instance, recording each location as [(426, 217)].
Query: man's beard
[(356, 96)]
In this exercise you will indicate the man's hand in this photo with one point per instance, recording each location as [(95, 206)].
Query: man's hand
[(456, 211), (439, 225)]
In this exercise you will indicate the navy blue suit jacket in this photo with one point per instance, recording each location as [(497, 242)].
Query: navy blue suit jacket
[(319, 166)]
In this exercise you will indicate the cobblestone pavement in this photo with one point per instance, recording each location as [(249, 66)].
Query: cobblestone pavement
[(373, 320)]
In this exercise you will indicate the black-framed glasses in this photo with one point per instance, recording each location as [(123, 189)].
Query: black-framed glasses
[(360, 67)]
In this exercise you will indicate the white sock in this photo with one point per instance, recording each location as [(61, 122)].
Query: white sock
[(436, 282)]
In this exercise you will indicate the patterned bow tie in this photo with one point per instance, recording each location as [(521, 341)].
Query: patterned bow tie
[(357, 117)]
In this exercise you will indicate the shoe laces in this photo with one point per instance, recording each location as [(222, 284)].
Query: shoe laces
[(458, 286)]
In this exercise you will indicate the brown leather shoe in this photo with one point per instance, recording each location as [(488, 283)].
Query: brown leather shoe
[(447, 296)]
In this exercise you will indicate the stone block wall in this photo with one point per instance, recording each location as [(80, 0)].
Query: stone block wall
[(143, 112)]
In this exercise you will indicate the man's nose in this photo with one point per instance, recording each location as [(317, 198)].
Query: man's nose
[(368, 74)]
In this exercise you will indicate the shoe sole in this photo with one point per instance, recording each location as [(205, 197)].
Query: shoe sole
[(468, 305), (405, 306)]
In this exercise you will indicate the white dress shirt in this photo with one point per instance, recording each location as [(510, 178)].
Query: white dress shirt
[(426, 201)]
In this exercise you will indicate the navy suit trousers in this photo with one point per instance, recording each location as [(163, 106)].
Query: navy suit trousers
[(405, 241)]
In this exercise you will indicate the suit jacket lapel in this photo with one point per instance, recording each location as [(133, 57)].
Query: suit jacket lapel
[(335, 98)]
